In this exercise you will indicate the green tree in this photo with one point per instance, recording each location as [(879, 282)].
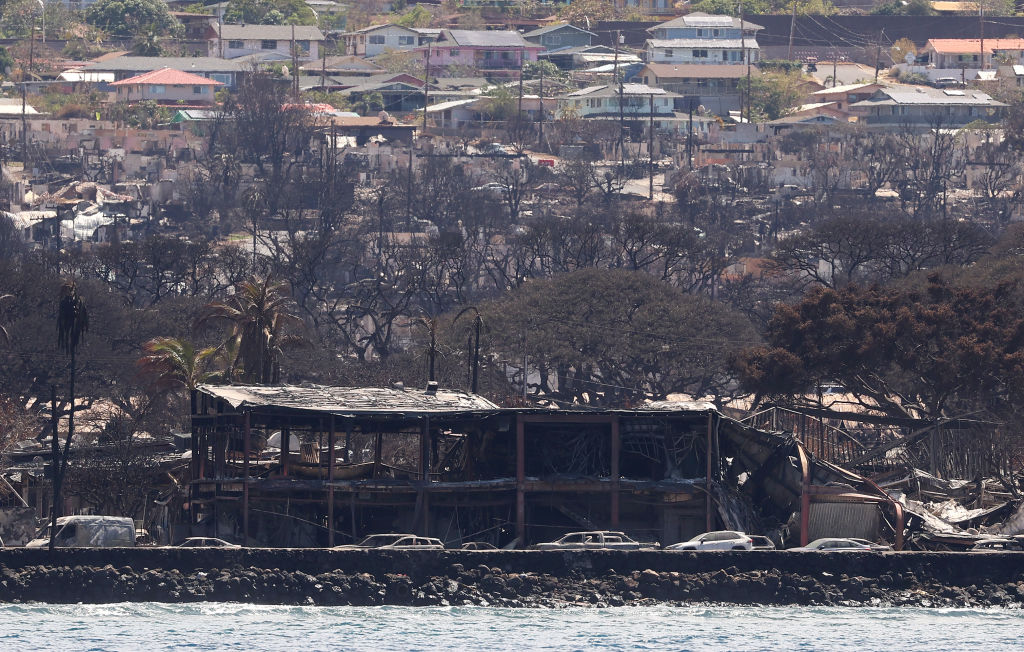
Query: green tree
[(128, 18), (262, 317), (773, 94), (270, 12)]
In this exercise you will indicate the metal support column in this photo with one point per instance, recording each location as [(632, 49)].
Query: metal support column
[(520, 481), (616, 447)]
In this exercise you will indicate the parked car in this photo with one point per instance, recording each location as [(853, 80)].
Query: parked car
[(880, 547), (87, 532), (758, 542), (395, 542), (595, 540), (206, 542), (832, 545), (948, 82), (718, 540), (478, 545), (998, 545)]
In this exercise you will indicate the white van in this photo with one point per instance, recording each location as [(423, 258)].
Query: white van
[(88, 532)]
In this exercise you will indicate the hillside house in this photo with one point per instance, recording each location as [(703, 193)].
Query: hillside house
[(167, 86), (715, 87), (700, 38), (497, 53), (959, 53), (378, 39), (557, 37), (233, 41), (603, 101), (123, 67), (922, 107)]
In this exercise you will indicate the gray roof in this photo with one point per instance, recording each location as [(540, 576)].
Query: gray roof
[(486, 38), (610, 90), (147, 64), (921, 96), (353, 401), (554, 28), (270, 32), (709, 43), (700, 19)]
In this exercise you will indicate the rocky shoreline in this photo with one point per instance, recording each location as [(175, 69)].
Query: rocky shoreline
[(452, 580)]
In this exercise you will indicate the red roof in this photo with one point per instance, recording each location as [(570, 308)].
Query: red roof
[(973, 45), (167, 77)]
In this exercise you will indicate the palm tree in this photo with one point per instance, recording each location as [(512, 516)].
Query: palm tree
[(174, 363), (72, 324), (261, 313)]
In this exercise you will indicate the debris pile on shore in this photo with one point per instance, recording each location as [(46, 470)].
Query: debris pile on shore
[(491, 586)]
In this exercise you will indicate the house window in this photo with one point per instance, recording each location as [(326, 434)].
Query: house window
[(267, 44), (376, 39), (407, 40), (303, 46), (223, 78), (715, 33), (552, 40), (453, 53), (236, 45), (199, 90), (700, 54), (156, 89), (668, 54)]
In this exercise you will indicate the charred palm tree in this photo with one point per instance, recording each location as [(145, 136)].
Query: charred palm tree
[(72, 324), (262, 316), (173, 363)]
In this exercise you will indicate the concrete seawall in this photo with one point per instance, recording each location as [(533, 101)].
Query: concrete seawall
[(509, 578)]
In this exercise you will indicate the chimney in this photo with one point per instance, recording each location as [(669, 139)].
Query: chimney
[(432, 387)]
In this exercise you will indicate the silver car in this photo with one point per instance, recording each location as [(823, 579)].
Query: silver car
[(394, 542), (832, 545)]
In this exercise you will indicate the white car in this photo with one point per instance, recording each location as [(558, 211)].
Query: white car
[(395, 542), (206, 542), (719, 540), (832, 545), (595, 540)]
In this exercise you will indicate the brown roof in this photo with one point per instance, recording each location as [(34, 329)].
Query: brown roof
[(697, 70)]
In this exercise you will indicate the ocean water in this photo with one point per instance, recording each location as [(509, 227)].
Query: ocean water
[(152, 627)]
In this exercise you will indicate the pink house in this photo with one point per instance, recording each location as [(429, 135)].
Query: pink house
[(495, 53), (167, 86)]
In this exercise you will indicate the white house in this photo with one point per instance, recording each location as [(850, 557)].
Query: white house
[(377, 39), (603, 101), (701, 38), (232, 41)]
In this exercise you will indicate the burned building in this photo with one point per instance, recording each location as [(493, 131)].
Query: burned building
[(316, 465)]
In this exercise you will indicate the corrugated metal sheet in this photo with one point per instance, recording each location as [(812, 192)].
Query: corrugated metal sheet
[(860, 520), (349, 400)]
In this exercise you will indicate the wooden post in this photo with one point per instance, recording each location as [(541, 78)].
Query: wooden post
[(520, 481), (330, 483), (425, 450), (709, 525), (376, 454), (616, 447), (286, 441), (246, 433)]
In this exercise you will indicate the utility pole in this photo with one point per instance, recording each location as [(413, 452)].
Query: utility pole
[(220, 38), (981, 29), (295, 68), (650, 152), (689, 138), (426, 89), (323, 72), (622, 119), (835, 62), (792, 28), (878, 53), (540, 124), (24, 96)]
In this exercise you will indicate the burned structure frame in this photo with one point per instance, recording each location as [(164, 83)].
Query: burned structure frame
[(456, 466)]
